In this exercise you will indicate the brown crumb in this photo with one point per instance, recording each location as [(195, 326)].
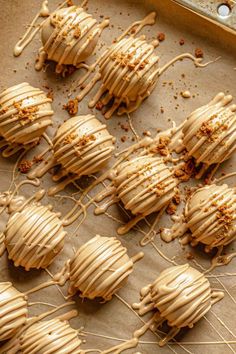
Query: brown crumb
[(185, 172), (123, 138), (147, 133), (161, 36), (162, 146), (77, 33), (198, 53), (171, 209), (224, 215), (50, 94), (25, 166), (25, 114), (71, 106), (37, 158), (69, 3), (181, 41), (125, 127), (99, 106)]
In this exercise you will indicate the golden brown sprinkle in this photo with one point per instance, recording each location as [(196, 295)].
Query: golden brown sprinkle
[(71, 106)]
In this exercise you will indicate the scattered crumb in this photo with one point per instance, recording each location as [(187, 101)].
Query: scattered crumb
[(181, 41), (162, 146), (125, 127), (37, 158), (69, 3), (189, 255), (161, 36), (185, 172), (71, 106), (99, 106), (25, 166), (50, 94), (198, 53), (147, 133), (123, 138), (77, 33)]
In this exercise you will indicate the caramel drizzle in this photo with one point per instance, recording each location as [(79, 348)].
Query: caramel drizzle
[(34, 236), (11, 127), (73, 17), (99, 268)]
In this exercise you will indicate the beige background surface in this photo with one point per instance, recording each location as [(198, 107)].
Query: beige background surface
[(114, 319)]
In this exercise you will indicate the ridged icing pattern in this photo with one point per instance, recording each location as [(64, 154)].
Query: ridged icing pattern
[(25, 113), (13, 310), (69, 36), (99, 268), (83, 145), (145, 184), (34, 236), (54, 336), (211, 215), (129, 72), (209, 133)]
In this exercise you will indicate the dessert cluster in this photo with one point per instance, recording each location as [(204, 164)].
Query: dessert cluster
[(145, 180)]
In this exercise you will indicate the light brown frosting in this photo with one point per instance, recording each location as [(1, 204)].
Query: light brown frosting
[(211, 215), (34, 236), (54, 336), (181, 294), (69, 36), (129, 72), (83, 145), (13, 310), (145, 184), (99, 268), (17, 124), (209, 133)]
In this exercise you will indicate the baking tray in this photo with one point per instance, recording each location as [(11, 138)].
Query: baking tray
[(114, 320)]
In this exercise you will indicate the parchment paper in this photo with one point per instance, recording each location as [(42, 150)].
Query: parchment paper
[(114, 319)]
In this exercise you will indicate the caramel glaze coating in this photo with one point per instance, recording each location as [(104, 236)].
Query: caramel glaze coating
[(25, 113), (13, 310), (209, 133), (69, 36), (99, 268), (34, 236), (54, 336), (211, 215), (83, 145), (145, 184)]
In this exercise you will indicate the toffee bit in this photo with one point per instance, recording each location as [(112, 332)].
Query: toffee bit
[(161, 36), (162, 146), (77, 33), (71, 106), (198, 53), (185, 172), (25, 166)]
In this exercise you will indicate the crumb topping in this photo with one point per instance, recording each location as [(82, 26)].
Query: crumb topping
[(125, 60), (162, 146), (71, 106), (25, 166), (175, 201), (185, 172), (211, 129), (224, 216), (77, 32), (161, 36), (81, 142), (25, 114), (198, 53)]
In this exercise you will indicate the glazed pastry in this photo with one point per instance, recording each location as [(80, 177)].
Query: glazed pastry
[(69, 36), (83, 145), (209, 133), (211, 215), (25, 113), (54, 336), (34, 236), (181, 295), (129, 73), (99, 268), (13, 310), (145, 184)]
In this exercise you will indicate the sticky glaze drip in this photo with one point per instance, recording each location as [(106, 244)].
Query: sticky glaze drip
[(25, 113), (100, 267), (34, 236), (69, 36)]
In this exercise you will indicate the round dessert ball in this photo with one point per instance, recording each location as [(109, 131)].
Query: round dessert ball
[(53, 336), (145, 184), (83, 145), (25, 113), (69, 35), (129, 71), (209, 133), (211, 215), (182, 295), (34, 236), (13, 310), (99, 268)]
